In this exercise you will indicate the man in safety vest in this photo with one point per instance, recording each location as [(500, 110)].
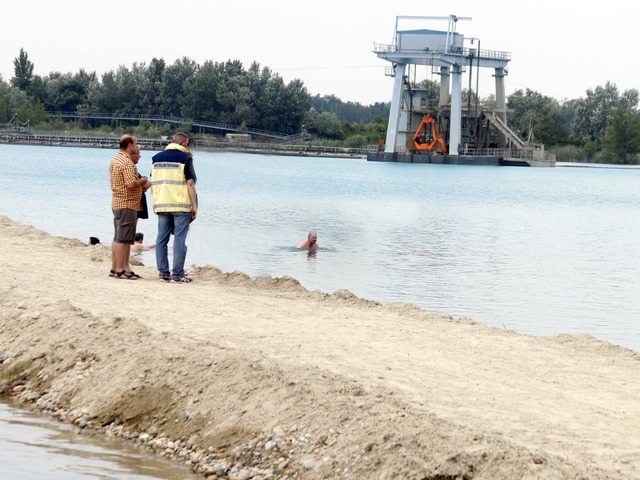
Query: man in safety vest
[(176, 203)]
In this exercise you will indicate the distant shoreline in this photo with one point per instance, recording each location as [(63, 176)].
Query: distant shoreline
[(206, 145)]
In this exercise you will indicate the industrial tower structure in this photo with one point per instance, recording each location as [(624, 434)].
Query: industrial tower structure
[(447, 55)]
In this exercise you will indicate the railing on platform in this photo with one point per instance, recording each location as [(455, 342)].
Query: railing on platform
[(523, 154), (22, 138), (441, 50)]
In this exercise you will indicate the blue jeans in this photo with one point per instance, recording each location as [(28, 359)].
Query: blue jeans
[(178, 224)]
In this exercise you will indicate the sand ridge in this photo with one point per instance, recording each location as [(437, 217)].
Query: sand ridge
[(261, 378)]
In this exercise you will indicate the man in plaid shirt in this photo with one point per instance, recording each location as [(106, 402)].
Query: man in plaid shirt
[(126, 188)]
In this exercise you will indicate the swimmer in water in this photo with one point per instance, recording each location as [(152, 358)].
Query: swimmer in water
[(137, 246), (309, 243)]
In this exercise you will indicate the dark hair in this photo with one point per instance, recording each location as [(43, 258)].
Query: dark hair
[(139, 236), (126, 140), (94, 240)]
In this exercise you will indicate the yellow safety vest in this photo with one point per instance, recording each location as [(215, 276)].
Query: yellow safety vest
[(169, 185)]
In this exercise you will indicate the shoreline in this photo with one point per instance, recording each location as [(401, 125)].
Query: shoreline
[(206, 145), (260, 378)]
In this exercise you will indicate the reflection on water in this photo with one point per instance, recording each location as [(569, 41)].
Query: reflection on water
[(34, 447), (540, 251)]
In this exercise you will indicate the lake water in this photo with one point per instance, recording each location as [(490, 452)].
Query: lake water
[(538, 251), (33, 447)]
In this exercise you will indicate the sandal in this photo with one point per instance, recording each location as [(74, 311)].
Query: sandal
[(112, 273), (183, 279), (127, 275)]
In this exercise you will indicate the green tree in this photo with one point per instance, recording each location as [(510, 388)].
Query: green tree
[(233, 95), (185, 128), (297, 103), (260, 82), (39, 114), (105, 96), (13, 96), (25, 113), (34, 114), (528, 108), (136, 89), (241, 111), (629, 98), (201, 98), (176, 81), (352, 111), (623, 134), (22, 71), (551, 128), (376, 130), (37, 89), (356, 141), (66, 92), (347, 129), (488, 102), (590, 149), (151, 101), (594, 112), (273, 104), (4, 111), (323, 124)]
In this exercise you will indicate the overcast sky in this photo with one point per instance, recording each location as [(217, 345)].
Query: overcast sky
[(559, 48)]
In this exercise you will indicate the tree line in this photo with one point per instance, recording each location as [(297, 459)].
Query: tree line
[(603, 126), (222, 92)]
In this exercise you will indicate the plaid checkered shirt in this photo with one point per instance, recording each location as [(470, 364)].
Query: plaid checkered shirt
[(123, 172)]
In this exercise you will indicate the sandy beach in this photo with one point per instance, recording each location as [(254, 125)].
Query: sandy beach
[(260, 378)]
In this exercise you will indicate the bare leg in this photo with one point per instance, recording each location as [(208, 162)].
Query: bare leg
[(114, 256), (119, 252), (127, 257)]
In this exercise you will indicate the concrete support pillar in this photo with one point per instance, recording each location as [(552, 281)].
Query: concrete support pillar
[(396, 105), (444, 86), (455, 127), (501, 104)]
